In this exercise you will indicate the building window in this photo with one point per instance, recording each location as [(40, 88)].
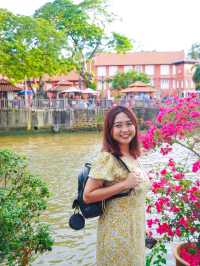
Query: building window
[(164, 69), (173, 70), (101, 71), (164, 84), (174, 84), (113, 70), (101, 85), (186, 84), (138, 68), (149, 69), (127, 68), (182, 84)]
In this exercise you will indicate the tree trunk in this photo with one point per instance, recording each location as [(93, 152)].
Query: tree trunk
[(41, 91)]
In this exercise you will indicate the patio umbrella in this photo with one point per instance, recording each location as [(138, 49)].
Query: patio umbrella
[(71, 90), (27, 92), (89, 91)]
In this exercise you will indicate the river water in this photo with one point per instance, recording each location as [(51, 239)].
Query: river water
[(58, 159)]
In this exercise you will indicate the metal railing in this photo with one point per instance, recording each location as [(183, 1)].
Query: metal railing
[(70, 103)]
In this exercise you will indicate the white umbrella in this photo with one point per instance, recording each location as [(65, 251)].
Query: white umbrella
[(72, 89), (89, 91)]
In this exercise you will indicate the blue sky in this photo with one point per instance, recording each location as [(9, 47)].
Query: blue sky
[(154, 24)]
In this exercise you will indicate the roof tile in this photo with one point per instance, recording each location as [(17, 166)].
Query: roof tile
[(138, 58)]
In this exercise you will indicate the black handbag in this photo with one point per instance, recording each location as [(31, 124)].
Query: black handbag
[(90, 210)]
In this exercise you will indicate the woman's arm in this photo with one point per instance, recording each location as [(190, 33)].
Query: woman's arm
[(95, 191)]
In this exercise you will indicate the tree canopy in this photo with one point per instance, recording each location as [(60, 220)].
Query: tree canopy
[(61, 36), (196, 76), (29, 47), (123, 80), (194, 52), (84, 26)]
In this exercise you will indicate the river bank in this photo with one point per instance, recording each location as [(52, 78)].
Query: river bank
[(62, 120)]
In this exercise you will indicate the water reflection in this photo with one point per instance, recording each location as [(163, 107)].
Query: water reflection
[(58, 159)]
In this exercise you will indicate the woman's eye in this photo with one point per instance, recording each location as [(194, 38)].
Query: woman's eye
[(129, 124)]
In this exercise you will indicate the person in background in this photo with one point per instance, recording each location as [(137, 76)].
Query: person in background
[(121, 228)]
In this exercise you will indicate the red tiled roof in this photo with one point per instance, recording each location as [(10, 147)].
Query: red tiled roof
[(64, 83), (7, 86), (139, 86), (138, 58), (71, 76)]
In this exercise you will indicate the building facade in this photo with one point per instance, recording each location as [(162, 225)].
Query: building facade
[(169, 72)]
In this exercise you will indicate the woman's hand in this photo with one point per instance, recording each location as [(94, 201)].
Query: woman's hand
[(133, 180)]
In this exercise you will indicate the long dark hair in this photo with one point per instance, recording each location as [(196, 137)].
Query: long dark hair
[(112, 146)]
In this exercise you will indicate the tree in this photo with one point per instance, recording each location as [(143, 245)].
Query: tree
[(29, 48), (23, 198), (120, 43), (196, 76), (194, 52), (123, 80), (84, 26)]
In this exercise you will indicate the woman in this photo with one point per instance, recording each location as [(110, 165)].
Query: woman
[(121, 228)]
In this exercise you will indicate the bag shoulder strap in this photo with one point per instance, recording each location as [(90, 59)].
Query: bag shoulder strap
[(122, 194), (122, 163)]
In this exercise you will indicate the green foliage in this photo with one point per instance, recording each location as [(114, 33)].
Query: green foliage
[(157, 255), (92, 85), (194, 52), (84, 26), (29, 47), (196, 76), (60, 37), (123, 80), (121, 43), (22, 201), (100, 118), (12, 165)]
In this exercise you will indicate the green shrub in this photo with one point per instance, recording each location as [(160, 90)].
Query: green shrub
[(23, 198)]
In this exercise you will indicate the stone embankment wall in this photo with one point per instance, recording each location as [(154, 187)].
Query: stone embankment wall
[(62, 119)]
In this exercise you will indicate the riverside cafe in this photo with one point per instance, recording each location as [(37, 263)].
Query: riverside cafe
[(74, 96), (139, 91)]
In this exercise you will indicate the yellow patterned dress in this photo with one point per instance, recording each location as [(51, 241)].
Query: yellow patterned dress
[(121, 229)]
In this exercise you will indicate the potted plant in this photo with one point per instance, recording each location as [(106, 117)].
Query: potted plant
[(174, 205)]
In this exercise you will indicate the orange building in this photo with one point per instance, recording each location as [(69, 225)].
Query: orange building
[(169, 72)]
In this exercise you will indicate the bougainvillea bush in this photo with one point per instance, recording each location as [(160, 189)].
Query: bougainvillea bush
[(174, 205)]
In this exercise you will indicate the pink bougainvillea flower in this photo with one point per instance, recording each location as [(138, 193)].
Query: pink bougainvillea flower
[(171, 163), (179, 176), (164, 171), (178, 232), (196, 166), (183, 221)]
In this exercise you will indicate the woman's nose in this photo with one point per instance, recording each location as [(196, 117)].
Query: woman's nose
[(124, 128)]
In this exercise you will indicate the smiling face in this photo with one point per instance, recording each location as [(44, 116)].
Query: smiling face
[(123, 130)]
